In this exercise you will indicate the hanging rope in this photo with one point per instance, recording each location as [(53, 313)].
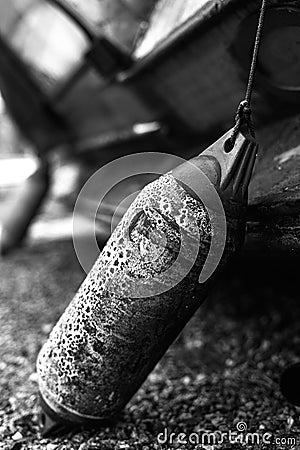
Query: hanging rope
[(243, 114)]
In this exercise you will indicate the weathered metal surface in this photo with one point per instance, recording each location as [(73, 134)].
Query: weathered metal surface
[(172, 17), (105, 345), (275, 189), (131, 307), (274, 214)]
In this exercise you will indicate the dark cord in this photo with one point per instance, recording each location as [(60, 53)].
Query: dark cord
[(243, 114), (255, 51)]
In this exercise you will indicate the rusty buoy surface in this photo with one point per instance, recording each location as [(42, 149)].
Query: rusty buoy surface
[(121, 322)]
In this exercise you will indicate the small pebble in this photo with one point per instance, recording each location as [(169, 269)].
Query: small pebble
[(200, 377), (186, 380), (47, 327), (33, 377), (13, 403), (51, 446), (17, 436), (290, 422), (3, 365), (229, 362), (83, 446)]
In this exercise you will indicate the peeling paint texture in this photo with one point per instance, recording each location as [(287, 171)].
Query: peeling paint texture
[(106, 342)]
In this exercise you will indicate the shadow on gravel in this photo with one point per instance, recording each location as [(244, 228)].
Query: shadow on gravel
[(223, 369)]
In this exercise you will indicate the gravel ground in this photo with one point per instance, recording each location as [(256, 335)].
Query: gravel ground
[(223, 369)]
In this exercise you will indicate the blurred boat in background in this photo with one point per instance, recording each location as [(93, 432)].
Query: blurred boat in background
[(88, 82)]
